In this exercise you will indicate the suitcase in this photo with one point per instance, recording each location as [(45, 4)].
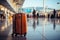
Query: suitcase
[(19, 24)]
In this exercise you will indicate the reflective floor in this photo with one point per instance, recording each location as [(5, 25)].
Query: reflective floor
[(37, 29)]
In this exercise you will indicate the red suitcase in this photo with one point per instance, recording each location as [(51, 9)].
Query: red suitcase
[(19, 24)]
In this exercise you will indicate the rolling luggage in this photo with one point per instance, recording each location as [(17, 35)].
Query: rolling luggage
[(19, 24)]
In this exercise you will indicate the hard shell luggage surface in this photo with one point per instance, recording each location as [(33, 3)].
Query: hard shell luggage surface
[(19, 24)]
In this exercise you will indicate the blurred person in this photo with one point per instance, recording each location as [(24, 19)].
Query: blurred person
[(54, 13), (34, 13)]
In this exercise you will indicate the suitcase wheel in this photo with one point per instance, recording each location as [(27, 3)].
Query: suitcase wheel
[(24, 34), (15, 34), (12, 34)]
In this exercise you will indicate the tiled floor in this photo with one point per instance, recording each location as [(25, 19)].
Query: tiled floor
[(37, 29)]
